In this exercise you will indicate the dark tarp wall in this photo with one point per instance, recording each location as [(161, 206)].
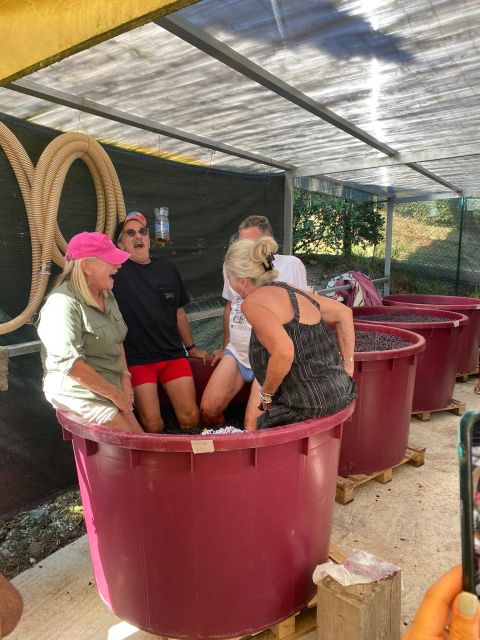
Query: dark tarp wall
[(35, 462), (205, 206)]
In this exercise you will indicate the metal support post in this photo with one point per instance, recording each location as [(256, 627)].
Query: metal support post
[(388, 246), (460, 235), (288, 214)]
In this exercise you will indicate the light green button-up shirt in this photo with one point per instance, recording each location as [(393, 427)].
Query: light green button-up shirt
[(70, 329)]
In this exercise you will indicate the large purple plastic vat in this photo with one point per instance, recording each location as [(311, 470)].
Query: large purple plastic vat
[(207, 536), (377, 437), (470, 340), (437, 365)]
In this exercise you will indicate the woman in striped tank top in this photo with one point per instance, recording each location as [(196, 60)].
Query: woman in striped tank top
[(301, 347)]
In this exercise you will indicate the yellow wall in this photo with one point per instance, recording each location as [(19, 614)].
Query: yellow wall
[(35, 33)]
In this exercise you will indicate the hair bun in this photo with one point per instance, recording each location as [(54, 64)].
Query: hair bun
[(263, 248)]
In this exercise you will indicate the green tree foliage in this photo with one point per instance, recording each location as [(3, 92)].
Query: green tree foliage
[(442, 212), (323, 223)]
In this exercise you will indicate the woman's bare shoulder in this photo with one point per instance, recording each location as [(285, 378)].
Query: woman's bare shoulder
[(266, 293), (271, 299)]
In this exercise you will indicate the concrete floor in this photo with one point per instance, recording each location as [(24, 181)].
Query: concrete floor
[(413, 522)]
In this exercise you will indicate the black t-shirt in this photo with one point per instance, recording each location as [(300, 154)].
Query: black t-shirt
[(148, 296)]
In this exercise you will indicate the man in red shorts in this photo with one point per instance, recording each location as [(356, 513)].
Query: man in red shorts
[(151, 297)]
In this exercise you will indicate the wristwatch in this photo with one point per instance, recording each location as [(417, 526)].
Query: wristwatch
[(189, 347)]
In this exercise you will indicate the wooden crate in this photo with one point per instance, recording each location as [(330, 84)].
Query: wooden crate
[(361, 611), (346, 485), (456, 407)]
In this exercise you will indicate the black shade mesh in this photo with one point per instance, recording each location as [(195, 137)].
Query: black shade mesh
[(205, 208)]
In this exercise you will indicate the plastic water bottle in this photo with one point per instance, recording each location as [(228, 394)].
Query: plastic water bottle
[(162, 225)]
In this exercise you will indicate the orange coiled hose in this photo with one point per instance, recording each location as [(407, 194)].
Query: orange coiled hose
[(41, 188)]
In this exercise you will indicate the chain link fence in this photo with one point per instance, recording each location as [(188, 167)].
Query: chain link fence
[(437, 244)]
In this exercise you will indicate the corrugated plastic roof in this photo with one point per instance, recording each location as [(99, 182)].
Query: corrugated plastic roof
[(406, 73)]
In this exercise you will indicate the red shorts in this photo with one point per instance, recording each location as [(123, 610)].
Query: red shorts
[(162, 372)]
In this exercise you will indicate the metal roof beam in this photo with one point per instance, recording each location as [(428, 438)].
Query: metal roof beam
[(383, 192), (426, 197), (329, 188), (464, 151), (380, 192), (399, 194), (228, 56), (433, 176), (357, 186), (37, 90), (203, 41)]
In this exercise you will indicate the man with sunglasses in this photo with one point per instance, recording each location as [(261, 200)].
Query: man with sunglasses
[(151, 297)]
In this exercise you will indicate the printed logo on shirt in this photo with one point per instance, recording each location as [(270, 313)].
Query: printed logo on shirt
[(238, 320), (166, 296), (240, 325), (238, 317)]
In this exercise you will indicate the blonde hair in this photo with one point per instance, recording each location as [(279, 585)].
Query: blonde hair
[(251, 259), (75, 276)]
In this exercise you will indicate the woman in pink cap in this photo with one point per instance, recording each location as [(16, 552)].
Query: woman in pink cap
[(82, 333)]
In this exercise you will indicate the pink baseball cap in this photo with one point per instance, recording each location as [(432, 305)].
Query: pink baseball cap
[(95, 245), (136, 215)]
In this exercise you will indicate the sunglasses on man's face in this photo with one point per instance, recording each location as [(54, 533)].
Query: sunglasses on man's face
[(143, 231)]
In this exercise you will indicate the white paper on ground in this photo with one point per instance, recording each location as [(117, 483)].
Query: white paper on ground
[(359, 568)]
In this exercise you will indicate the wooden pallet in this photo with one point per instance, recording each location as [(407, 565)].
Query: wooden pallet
[(292, 628), (463, 377), (456, 407), (346, 485)]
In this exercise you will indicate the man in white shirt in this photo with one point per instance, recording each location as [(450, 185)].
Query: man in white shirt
[(233, 369)]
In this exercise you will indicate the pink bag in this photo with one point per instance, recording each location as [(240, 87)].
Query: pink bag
[(362, 292)]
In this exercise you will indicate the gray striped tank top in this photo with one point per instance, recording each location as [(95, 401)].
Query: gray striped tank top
[(317, 383)]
